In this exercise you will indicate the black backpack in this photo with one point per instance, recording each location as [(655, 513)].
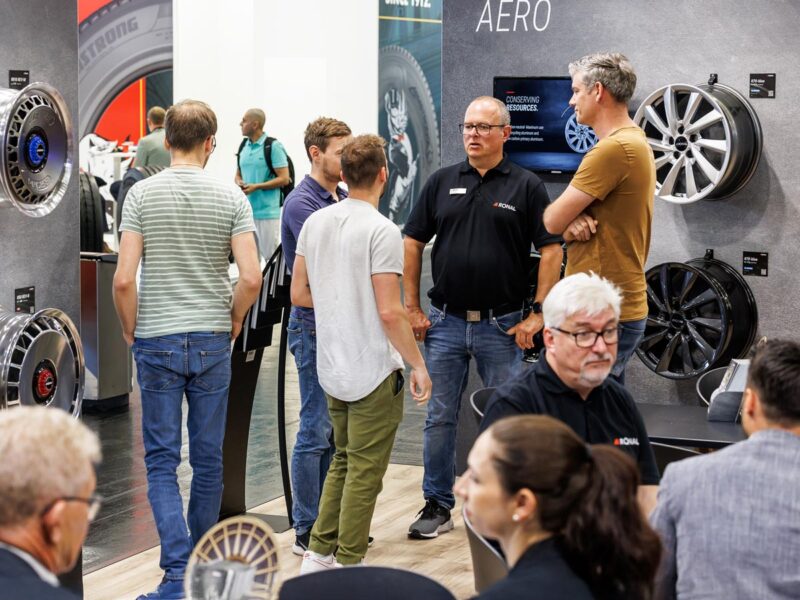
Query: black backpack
[(268, 157)]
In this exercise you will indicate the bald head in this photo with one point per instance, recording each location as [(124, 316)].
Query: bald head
[(498, 106), (257, 116), (252, 123)]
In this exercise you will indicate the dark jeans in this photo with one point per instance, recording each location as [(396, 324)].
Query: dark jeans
[(631, 333), (199, 366)]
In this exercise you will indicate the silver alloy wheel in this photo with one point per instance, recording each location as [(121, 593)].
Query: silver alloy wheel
[(706, 140), (41, 361), (580, 138), (36, 153)]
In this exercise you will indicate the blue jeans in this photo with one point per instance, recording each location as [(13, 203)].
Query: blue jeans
[(630, 334), (198, 365), (314, 447), (449, 344)]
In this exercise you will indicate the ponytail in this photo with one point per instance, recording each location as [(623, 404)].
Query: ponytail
[(586, 497), (606, 539)]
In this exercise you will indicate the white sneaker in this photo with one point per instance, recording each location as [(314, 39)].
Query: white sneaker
[(313, 562)]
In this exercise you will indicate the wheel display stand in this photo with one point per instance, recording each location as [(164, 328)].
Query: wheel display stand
[(271, 308)]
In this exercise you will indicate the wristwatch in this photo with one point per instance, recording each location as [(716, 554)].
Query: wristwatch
[(536, 308)]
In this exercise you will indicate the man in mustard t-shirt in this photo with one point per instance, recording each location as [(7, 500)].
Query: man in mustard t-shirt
[(606, 212)]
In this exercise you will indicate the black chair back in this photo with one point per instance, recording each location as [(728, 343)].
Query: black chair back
[(363, 583), (488, 565), (478, 400)]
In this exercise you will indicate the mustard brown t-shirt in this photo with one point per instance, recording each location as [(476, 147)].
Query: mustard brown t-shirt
[(620, 173)]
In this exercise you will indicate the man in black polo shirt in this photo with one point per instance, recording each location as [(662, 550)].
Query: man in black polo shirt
[(570, 382), (485, 213)]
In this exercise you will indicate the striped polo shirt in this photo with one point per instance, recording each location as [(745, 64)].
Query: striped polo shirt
[(187, 219)]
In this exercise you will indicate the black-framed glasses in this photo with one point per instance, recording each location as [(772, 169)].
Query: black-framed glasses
[(93, 502), (480, 128), (587, 339), (213, 143)]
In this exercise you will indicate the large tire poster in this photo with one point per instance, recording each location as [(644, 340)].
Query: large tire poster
[(409, 98)]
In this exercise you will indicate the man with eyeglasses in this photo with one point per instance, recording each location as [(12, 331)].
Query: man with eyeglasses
[(606, 212), (486, 213), (571, 383), (181, 225), (47, 500)]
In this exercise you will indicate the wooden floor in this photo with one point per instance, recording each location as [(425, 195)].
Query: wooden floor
[(446, 558)]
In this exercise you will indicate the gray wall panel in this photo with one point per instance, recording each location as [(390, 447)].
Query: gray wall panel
[(681, 41), (42, 36)]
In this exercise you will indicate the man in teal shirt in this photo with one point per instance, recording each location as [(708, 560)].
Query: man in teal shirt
[(262, 187)]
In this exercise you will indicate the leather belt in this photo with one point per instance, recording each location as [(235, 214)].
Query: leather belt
[(472, 316)]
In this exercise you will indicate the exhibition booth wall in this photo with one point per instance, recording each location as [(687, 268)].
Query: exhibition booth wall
[(42, 252), (668, 43), (296, 61)]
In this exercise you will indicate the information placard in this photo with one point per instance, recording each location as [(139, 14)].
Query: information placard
[(25, 300), (755, 264), (762, 85), (18, 79)]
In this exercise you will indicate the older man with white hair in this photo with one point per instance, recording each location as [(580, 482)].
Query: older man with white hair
[(570, 382), (47, 500)]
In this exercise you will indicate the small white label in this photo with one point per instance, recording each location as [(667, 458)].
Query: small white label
[(454, 191), (251, 356)]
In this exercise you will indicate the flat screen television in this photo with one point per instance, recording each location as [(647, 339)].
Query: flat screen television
[(545, 137)]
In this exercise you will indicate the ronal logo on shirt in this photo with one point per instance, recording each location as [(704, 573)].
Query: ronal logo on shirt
[(626, 441), (510, 207)]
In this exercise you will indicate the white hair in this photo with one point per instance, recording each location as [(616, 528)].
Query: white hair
[(580, 293), (45, 454)]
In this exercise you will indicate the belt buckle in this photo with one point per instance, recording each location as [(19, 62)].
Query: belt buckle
[(473, 316)]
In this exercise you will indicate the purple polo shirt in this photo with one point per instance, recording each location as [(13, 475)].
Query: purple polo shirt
[(306, 198)]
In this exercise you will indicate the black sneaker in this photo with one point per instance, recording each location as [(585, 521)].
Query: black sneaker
[(301, 543), (434, 519)]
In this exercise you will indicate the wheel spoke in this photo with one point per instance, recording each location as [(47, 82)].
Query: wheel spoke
[(663, 159), (651, 340), (713, 324), (720, 146), (659, 146), (669, 352), (708, 296), (686, 355), (663, 277), (656, 322), (698, 339), (707, 119), (651, 295), (671, 111), (708, 169), (689, 279), (691, 185), (668, 186), (652, 116), (691, 106)]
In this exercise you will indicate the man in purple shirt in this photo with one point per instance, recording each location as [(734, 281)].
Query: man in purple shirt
[(314, 448)]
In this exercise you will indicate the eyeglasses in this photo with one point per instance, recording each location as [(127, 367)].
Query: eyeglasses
[(480, 128), (93, 502), (587, 339), (213, 143)]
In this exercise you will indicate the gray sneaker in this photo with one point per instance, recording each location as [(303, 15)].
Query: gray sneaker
[(433, 520)]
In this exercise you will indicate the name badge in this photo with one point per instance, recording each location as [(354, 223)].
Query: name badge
[(454, 191)]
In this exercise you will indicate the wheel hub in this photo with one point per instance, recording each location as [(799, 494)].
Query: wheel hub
[(44, 382)]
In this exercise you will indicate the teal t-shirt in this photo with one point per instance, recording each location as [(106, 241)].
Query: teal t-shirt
[(253, 166)]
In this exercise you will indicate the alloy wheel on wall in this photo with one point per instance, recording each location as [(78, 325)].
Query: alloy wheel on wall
[(118, 44), (706, 140), (701, 314)]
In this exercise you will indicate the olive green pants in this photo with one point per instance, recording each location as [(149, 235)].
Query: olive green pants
[(364, 434)]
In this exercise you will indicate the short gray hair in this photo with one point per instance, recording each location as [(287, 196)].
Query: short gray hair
[(580, 293), (612, 69), (502, 109), (45, 454)]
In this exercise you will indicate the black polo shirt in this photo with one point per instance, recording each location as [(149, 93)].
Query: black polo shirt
[(484, 227), (607, 416)]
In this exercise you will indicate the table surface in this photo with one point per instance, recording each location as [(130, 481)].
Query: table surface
[(688, 426)]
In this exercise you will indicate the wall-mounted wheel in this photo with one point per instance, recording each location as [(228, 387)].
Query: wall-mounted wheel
[(706, 140), (41, 361), (701, 315), (35, 148)]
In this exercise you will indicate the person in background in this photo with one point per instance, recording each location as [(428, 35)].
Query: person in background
[(730, 520), (151, 149), (314, 448), (47, 499), (565, 513), (262, 186)]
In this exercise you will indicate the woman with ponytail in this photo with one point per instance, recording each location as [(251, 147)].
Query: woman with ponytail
[(565, 513)]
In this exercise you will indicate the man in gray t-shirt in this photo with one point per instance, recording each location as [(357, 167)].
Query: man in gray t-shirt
[(348, 265), (151, 150), (182, 225)]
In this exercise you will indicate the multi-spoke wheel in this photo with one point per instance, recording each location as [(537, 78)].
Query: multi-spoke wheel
[(35, 148), (580, 138), (706, 140), (701, 315), (41, 361)]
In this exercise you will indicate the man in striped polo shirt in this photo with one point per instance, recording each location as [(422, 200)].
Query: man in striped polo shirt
[(182, 224)]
